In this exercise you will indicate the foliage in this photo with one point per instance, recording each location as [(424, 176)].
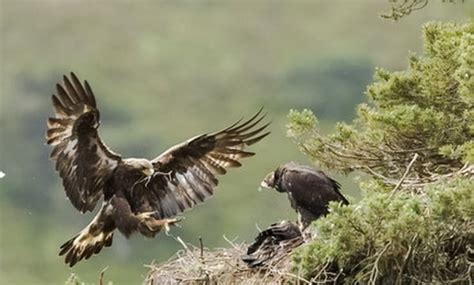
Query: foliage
[(164, 71), (393, 235), (414, 140), (395, 239), (427, 109)]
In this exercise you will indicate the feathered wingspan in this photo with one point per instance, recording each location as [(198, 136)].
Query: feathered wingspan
[(82, 159), (185, 174)]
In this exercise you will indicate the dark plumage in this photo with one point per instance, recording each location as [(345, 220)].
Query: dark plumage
[(273, 244), (139, 195), (309, 190)]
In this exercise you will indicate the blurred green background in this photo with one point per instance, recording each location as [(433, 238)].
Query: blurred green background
[(164, 71)]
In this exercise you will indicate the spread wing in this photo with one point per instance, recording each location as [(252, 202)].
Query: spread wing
[(84, 162), (185, 174)]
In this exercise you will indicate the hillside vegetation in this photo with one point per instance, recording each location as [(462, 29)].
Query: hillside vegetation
[(164, 71), (413, 141)]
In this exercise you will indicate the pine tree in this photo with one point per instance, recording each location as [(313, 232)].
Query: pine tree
[(414, 141)]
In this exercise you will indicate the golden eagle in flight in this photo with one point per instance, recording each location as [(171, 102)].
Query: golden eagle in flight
[(139, 195)]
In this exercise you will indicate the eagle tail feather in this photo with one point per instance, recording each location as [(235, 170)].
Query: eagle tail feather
[(84, 245)]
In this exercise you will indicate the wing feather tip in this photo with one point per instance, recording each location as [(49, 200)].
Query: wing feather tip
[(257, 139)]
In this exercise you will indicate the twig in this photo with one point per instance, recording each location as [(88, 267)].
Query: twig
[(384, 178), (201, 247), (405, 174), (299, 278), (405, 260), (230, 242), (195, 279), (101, 278), (202, 269), (178, 238), (375, 270), (323, 269)]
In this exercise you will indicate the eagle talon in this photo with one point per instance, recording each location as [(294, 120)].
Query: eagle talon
[(147, 216), (172, 222), (154, 224)]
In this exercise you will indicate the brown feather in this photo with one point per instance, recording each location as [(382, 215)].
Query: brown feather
[(51, 132), (65, 98), (228, 162), (213, 165), (60, 109), (238, 153), (81, 93), (58, 122), (90, 94), (251, 134), (257, 139), (237, 128), (71, 91), (82, 159), (250, 124)]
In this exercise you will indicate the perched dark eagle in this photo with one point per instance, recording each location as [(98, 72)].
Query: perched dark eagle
[(139, 195), (309, 190)]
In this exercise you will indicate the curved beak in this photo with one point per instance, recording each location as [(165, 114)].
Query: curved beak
[(263, 185), (269, 178), (148, 171)]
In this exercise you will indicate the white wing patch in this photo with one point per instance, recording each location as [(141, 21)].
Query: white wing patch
[(70, 147)]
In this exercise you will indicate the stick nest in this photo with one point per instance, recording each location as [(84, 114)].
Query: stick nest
[(200, 265)]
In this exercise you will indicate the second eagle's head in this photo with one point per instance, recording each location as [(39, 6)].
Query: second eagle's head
[(272, 180)]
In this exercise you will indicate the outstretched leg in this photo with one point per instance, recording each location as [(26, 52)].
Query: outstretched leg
[(147, 223)]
